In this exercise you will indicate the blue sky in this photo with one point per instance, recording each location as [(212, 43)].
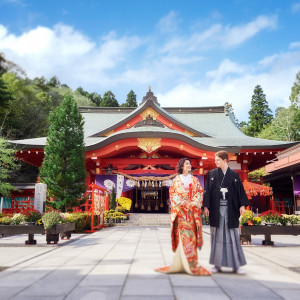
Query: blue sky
[(191, 53)]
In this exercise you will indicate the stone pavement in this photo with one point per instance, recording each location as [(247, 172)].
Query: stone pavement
[(119, 262)]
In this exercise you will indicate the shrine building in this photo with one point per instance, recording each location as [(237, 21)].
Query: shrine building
[(136, 150)]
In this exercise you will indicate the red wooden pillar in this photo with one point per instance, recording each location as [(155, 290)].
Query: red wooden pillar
[(244, 167)]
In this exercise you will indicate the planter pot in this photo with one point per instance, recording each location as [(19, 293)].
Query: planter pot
[(66, 235), (31, 230), (267, 231)]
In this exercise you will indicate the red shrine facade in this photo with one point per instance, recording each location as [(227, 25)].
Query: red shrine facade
[(142, 146)]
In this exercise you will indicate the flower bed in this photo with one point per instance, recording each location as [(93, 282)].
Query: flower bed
[(267, 231), (31, 230), (268, 223)]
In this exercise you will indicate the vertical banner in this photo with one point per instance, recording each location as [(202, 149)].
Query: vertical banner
[(40, 194), (297, 192), (120, 183)]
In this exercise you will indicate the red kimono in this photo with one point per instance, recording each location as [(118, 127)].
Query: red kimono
[(186, 227)]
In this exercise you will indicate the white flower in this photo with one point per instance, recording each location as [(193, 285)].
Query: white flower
[(109, 184), (130, 183)]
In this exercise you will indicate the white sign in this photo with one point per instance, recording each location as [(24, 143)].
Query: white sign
[(40, 197)]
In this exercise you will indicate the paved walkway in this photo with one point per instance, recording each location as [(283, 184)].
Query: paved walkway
[(118, 263)]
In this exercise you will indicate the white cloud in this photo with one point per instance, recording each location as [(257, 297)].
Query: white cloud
[(226, 67), (235, 84), (295, 45), (168, 23), (218, 35), (66, 53), (238, 34), (175, 67), (295, 7)]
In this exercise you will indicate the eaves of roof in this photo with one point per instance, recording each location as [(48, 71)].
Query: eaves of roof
[(141, 108)]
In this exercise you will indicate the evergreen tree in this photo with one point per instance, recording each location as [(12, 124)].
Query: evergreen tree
[(284, 127), (295, 93), (131, 100), (109, 100), (5, 97), (259, 114), (8, 163), (63, 169), (95, 98)]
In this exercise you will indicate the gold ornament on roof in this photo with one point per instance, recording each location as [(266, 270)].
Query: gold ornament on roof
[(149, 112), (149, 144)]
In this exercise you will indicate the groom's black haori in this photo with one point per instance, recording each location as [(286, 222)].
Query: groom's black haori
[(224, 195), (236, 196)]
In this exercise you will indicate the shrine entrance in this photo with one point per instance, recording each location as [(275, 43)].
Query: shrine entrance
[(150, 200)]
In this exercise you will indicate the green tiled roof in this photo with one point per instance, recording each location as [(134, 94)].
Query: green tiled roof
[(215, 128)]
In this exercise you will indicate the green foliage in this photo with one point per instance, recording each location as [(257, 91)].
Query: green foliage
[(79, 220), (112, 199), (6, 220), (63, 168), (31, 215), (8, 164), (285, 126), (27, 115), (258, 173), (247, 216), (259, 114), (109, 100), (17, 219), (51, 218), (131, 100), (295, 93), (5, 98)]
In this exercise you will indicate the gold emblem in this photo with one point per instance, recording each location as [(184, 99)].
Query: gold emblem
[(149, 144), (149, 112)]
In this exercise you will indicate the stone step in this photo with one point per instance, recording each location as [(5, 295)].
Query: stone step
[(149, 219)]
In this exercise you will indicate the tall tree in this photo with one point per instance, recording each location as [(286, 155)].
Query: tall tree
[(109, 100), (295, 93), (131, 100), (8, 163), (63, 168), (95, 98), (284, 127), (8, 66), (5, 98), (260, 114)]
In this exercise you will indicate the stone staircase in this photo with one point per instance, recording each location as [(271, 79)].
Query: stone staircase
[(148, 220)]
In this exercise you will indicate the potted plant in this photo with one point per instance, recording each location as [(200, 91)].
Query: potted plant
[(246, 218), (270, 217), (51, 218), (31, 216), (17, 219)]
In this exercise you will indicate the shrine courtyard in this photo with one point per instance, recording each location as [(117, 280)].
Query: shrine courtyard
[(118, 263)]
